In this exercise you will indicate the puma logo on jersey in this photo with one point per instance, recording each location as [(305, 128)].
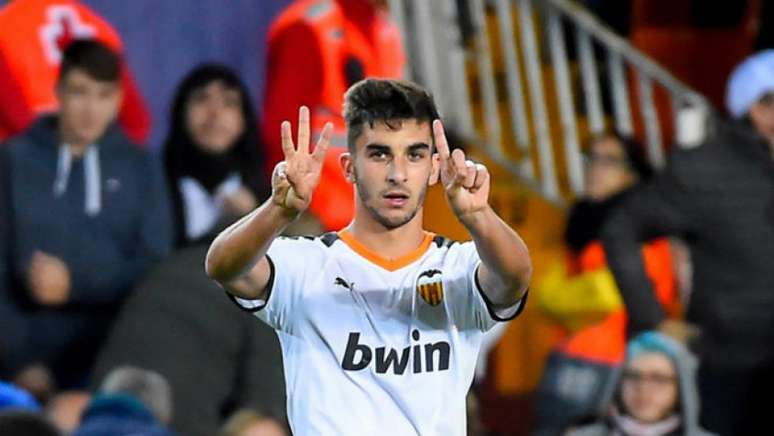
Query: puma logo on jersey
[(343, 283), (430, 287), (359, 356)]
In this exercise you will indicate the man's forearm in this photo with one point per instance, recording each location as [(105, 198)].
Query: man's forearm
[(506, 267), (624, 256), (241, 245)]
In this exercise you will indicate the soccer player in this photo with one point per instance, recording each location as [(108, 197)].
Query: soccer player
[(380, 324)]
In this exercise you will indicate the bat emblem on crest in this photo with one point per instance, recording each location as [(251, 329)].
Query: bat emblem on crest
[(430, 287)]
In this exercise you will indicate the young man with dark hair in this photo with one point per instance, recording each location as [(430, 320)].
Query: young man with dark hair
[(83, 214), (380, 324), (29, 66)]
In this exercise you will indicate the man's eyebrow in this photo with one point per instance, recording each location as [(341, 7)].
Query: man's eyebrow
[(418, 146), (377, 147)]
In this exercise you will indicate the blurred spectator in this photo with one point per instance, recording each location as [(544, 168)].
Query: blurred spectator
[(656, 394), (214, 165), (29, 65), (83, 214), (131, 401), (216, 358), (66, 408), (24, 423), (12, 397), (580, 293), (720, 198), (473, 415), (250, 423), (316, 50)]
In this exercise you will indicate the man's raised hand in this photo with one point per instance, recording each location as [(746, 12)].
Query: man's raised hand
[(466, 183), (295, 179)]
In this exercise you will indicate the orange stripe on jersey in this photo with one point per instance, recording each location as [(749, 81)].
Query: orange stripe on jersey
[(378, 259)]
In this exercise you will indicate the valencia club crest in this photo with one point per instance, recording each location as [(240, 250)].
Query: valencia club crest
[(430, 287)]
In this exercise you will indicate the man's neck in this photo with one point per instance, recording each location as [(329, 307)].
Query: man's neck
[(77, 148), (392, 243)]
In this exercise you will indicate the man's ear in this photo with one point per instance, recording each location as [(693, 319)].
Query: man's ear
[(347, 166), (435, 172)]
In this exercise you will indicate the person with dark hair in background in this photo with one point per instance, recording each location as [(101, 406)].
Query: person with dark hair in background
[(580, 293), (83, 214), (131, 401), (381, 323), (719, 197), (217, 359), (213, 161)]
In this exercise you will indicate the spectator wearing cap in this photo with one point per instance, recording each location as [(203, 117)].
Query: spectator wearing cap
[(719, 198), (655, 394)]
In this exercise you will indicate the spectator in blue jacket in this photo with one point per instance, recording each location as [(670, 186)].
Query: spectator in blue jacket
[(83, 214), (132, 401)]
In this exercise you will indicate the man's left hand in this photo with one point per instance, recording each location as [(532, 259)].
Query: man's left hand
[(465, 182)]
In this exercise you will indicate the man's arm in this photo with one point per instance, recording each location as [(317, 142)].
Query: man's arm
[(237, 257), (506, 267), (652, 211)]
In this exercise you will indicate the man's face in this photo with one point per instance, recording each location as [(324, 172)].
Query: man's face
[(762, 117), (86, 106), (392, 168)]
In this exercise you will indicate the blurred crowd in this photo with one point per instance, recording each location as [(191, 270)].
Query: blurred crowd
[(109, 325)]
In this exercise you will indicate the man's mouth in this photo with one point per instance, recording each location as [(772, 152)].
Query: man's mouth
[(396, 198)]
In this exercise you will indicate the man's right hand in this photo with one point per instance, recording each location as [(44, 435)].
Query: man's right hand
[(295, 179)]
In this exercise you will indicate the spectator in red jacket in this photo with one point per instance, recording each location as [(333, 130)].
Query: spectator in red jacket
[(29, 65)]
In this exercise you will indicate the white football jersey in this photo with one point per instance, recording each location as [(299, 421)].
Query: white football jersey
[(373, 346)]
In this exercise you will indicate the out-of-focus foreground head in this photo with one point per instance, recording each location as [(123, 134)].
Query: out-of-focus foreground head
[(750, 92), (149, 387)]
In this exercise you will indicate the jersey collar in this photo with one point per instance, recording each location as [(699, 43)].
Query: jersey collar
[(378, 259)]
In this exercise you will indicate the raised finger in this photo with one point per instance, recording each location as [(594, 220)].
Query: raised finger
[(323, 142), (470, 174), (441, 145), (482, 176), (287, 140), (303, 129)]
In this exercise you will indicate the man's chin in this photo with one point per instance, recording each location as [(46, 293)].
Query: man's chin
[(393, 219)]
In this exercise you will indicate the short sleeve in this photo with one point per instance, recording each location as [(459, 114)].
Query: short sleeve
[(471, 305), (290, 261)]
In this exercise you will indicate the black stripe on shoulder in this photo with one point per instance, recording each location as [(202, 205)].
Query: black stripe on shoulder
[(297, 237), (329, 238), (441, 241)]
